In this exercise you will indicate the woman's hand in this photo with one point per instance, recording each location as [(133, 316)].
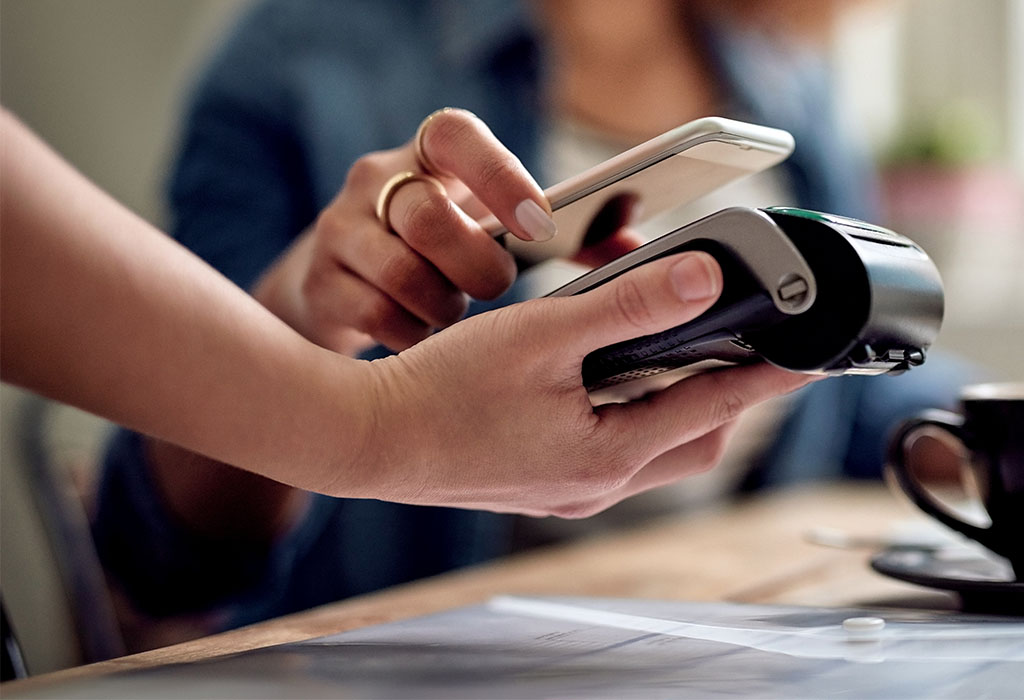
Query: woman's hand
[(118, 319), (351, 278), (492, 414)]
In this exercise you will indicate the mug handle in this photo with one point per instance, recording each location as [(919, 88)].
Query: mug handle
[(948, 422)]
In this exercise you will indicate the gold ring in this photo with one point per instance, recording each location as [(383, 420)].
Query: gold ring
[(422, 159), (394, 183)]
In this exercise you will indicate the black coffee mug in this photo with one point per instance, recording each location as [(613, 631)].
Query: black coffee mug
[(991, 428)]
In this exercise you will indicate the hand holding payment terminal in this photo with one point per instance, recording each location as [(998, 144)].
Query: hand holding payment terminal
[(805, 291)]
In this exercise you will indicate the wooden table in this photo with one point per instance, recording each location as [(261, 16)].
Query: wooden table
[(751, 552)]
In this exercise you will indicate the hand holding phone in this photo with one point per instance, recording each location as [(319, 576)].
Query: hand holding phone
[(670, 170)]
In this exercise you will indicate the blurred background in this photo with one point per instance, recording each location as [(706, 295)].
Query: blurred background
[(935, 86)]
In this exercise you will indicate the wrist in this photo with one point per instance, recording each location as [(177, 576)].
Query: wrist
[(355, 430), (388, 454)]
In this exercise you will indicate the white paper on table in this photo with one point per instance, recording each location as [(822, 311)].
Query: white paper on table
[(608, 648)]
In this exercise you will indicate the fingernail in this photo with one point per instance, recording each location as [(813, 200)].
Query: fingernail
[(694, 277), (536, 222)]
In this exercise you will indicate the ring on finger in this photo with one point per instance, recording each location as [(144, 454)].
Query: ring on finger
[(395, 183), (422, 158)]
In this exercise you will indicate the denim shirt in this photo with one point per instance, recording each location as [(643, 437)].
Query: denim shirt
[(302, 88), (297, 92)]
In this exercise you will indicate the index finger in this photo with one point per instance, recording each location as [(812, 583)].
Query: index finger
[(698, 404), (459, 144)]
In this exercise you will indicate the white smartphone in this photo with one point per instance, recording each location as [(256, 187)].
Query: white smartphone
[(668, 171)]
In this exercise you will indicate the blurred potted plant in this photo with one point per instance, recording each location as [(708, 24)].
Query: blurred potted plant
[(946, 184), (944, 177)]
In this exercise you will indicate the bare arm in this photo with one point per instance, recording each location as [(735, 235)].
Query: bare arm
[(349, 282), (103, 312), (100, 310)]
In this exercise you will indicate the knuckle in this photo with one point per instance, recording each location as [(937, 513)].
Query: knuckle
[(494, 284), (330, 223), (316, 286), (426, 222), (367, 168), (602, 475), (373, 314), (728, 403), (451, 310), (460, 115), (313, 280), (494, 173), (408, 280), (399, 272), (711, 453), (631, 305), (449, 128)]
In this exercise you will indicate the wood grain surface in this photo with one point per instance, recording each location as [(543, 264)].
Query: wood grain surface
[(753, 551)]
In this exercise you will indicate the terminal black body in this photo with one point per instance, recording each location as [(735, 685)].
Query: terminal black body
[(805, 291)]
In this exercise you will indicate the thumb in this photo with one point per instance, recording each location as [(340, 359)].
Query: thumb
[(653, 297)]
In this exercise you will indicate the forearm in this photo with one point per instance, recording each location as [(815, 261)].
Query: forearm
[(102, 312)]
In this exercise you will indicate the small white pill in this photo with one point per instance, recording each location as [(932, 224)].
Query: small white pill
[(863, 628)]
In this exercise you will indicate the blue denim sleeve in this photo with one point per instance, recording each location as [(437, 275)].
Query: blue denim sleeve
[(238, 196), (239, 191), (276, 120), (162, 568)]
